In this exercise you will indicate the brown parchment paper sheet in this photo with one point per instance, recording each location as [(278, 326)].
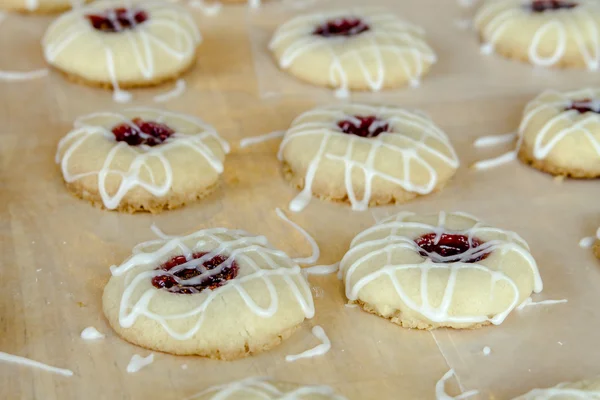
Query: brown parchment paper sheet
[(55, 250)]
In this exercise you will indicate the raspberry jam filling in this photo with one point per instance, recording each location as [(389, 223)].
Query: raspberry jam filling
[(585, 105), (175, 282), (342, 27), (141, 132), (548, 5), (117, 20), (450, 248), (367, 127)]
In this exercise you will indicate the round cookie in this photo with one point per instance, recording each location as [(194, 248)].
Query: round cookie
[(547, 33), (365, 155), (141, 159), (40, 6), (216, 293), (439, 270), (266, 389), (358, 49), (122, 44), (560, 133), (586, 389)]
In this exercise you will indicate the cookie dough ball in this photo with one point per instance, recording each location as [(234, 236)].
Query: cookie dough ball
[(353, 49), (216, 293), (439, 270), (267, 389), (365, 155), (141, 159), (40, 6), (586, 389), (119, 44), (547, 33), (560, 133)]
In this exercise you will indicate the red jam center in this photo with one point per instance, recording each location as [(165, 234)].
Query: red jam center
[(341, 27), (450, 248), (585, 105), (546, 5), (142, 132), (175, 282), (117, 20), (366, 127)]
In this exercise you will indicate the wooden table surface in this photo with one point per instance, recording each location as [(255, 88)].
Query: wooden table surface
[(55, 250)]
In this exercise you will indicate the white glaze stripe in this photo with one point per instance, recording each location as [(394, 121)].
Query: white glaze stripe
[(319, 350), (313, 243), (440, 389), (138, 362), (259, 139), (493, 140), (171, 94), (35, 364), (322, 269), (529, 302), (91, 333)]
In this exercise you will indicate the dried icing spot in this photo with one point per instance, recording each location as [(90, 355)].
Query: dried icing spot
[(446, 248), (341, 27), (368, 127), (117, 20), (140, 132)]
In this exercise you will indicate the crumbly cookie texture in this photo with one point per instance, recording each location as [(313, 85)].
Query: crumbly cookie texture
[(353, 49), (560, 133), (120, 44), (439, 270), (40, 6), (267, 389), (216, 293), (585, 389), (141, 159), (547, 33), (365, 155)]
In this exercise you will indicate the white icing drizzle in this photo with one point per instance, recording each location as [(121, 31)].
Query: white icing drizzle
[(238, 245), (132, 178), (138, 362), (388, 35), (259, 139), (410, 149), (316, 253), (91, 333), (440, 389), (141, 38), (171, 94), (493, 140), (319, 350), (322, 269), (587, 242), (578, 23), (210, 10), (486, 351), (264, 388), (529, 302), (563, 390), (394, 241), (34, 364), (158, 232)]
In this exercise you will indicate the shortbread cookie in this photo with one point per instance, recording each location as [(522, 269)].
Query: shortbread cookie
[(40, 6), (266, 389), (353, 49), (365, 155), (586, 389), (216, 293), (119, 44), (141, 159), (596, 247), (547, 33), (560, 133), (441, 270)]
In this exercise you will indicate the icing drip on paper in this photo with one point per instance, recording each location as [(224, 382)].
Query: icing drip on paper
[(486, 351), (322, 269), (259, 139), (91, 333), (549, 136), (493, 140), (210, 10), (529, 302), (440, 389), (411, 149), (264, 388), (132, 178), (563, 390), (5, 357), (142, 39), (580, 25), (137, 363), (387, 35), (395, 241), (587, 242), (171, 94), (139, 269), (316, 253), (319, 350)]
